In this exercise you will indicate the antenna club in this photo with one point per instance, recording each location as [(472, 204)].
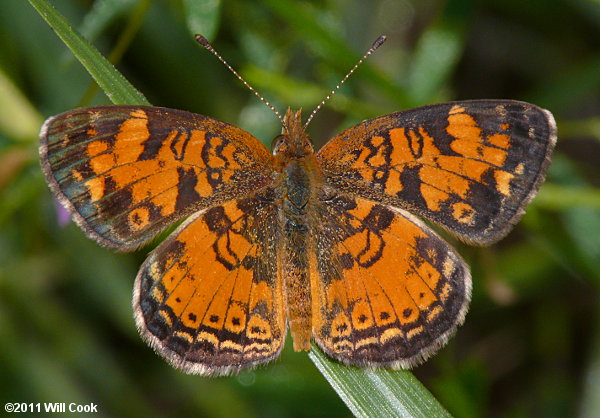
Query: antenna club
[(379, 42), (203, 41)]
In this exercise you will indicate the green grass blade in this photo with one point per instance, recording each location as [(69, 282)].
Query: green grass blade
[(116, 87), (379, 393)]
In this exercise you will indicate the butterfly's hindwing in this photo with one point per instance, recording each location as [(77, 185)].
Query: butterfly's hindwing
[(389, 291), (209, 299)]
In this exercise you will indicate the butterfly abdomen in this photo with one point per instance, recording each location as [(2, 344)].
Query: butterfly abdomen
[(298, 183)]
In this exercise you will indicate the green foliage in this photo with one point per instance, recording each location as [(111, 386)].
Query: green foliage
[(378, 393), (100, 69), (530, 342)]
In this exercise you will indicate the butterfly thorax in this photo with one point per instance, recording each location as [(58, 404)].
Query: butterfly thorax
[(297, 168), (298, 180)]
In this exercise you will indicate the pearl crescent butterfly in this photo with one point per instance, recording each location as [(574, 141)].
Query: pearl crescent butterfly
[(326, 243)]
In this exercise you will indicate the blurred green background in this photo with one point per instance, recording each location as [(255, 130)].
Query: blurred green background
[(531, 342)]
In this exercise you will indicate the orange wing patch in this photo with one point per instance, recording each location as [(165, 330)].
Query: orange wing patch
[(126, 172), (470, 166), (208, 299), (389, 291)]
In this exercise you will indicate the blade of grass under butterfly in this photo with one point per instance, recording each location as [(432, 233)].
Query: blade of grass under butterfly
[(116, 87), (379, 393)]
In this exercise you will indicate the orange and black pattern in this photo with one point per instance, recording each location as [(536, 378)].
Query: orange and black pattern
[(208, 298), (469, 166), (389, 291), (324, 243), (126, 172)]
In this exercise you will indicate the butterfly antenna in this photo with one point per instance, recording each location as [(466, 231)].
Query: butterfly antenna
[(204, 42), (373, 48)]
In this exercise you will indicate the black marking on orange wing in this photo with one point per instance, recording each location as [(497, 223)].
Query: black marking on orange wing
[(127, 172), (469, 166)]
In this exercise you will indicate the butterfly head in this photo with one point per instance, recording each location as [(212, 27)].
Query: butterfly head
[(293, 141)]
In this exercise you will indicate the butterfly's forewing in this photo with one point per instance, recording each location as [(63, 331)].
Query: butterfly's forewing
[(209, 299), (126, 172), (388, 290), (469, 166)]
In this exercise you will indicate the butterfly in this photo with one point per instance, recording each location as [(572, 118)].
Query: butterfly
[(327, 243)]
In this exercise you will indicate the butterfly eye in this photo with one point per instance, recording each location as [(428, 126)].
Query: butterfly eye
[(279, 144)]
